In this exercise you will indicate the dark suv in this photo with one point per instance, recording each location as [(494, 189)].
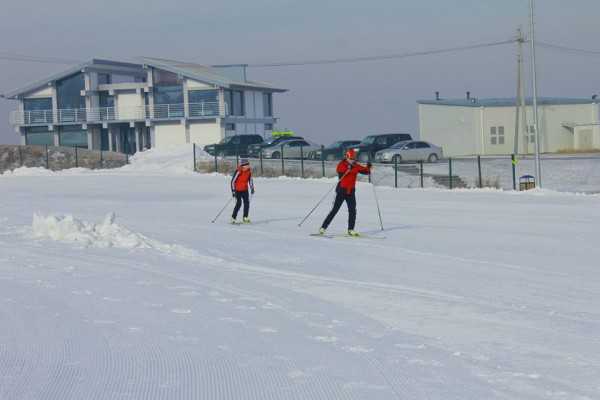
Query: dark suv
[(335, 151), (370, 145), (254, 149), (233, 145)]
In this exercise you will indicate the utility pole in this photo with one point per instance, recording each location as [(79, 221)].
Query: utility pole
[(538, 166), (519, 98)]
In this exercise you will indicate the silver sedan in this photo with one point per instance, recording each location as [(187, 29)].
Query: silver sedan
[(291, 149), (412, 151)]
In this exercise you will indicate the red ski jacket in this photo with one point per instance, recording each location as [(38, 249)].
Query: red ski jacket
[(241, 179), (348, 173)]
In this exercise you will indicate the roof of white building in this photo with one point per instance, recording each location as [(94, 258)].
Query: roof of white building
[(221, 76), (506, 102)]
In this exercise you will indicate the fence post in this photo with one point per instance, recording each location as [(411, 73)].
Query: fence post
[(216, 163), (323, 160), (450, 172), (282, 162), (237, 155), (396, 172), (76, 158), (479, 171), (20, 156), (302, 161), (126, 158), (260, 156), (47, 159), (194, 147), (421, 172), (101, 160), (514, 171)]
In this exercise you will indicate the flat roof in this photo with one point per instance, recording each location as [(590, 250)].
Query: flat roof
[(507, 102)]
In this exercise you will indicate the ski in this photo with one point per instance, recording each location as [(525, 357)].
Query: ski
[(346, 236)]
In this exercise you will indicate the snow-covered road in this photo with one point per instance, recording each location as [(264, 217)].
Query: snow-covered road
[(472, 295)]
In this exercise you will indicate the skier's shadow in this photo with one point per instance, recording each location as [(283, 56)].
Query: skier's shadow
[(268, 221), (391, 229)]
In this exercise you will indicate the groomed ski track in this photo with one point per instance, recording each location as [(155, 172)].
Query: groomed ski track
[(457, 303)]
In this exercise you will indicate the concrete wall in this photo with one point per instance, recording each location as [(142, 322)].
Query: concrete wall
[(13, 156), (191, 84), (45, 92), (168, 134), (205, 133), (467, 130), (456, 130), (128, 104)]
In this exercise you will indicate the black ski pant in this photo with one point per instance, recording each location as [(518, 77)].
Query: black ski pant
[(239, 197), (341, 197)]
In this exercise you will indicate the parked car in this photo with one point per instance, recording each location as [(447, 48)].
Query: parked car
[(291, 149), (233, 145), (370, 145), (254, 149), (335, 151), (412, 151)]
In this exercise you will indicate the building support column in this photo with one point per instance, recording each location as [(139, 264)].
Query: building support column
[(56, 136), (138, 138)]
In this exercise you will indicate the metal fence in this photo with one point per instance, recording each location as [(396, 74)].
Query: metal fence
[(571, 173), (58, 157)]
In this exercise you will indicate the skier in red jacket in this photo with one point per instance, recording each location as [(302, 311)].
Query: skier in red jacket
[(241, 180), (348, 170)]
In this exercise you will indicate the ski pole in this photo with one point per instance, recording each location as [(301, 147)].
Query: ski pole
[(378, 208), (322, 199), (222, 209), (317, 205)]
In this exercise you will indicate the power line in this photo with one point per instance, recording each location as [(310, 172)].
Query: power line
[(9, 56), (572, 50), (382, 57)]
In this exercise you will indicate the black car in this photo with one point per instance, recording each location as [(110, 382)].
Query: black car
[(335, 151), (233, 145), (254, 149), (370, 145)]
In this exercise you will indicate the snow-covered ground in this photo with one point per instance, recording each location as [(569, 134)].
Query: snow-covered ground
[(115, 285)]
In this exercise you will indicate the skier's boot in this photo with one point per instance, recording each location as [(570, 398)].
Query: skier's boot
[(321, 231), (246, 220), (233, 221), (353, 233)]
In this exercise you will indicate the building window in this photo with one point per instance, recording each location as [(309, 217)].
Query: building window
[(38, 111), (104, 79), (268, 104), (230, 127), (168, 95), (268, 127), (39, 135), (203, 103), (531, 133), (497, 135), (73, 136), (234, 99)]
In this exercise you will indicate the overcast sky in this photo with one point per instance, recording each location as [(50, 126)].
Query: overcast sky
[(324, 102)]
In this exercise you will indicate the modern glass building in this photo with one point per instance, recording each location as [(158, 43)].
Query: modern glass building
[(129, 107)]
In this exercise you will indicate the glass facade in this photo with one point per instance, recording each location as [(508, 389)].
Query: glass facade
[(234, 99), (168, 95), (268, 104), (39, 135), (73, 136), (38, 111), (107, 106), (70, 101), (203, 103)]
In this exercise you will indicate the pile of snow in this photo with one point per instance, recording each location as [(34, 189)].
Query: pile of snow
[(27, 171), (66, 228), (171, 160)]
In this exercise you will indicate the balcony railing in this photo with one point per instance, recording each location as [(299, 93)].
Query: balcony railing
[(101, 114)]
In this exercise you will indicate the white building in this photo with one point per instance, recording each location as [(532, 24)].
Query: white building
[(128, 107), (487, 126)]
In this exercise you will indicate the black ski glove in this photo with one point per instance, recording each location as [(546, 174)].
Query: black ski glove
[(252, 191), (369, 165), (233, 193)]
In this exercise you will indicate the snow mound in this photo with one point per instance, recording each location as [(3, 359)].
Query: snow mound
[(67, 228), (171, 160), (28, 171)]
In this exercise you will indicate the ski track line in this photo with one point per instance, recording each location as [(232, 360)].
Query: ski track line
[(370, 244)]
